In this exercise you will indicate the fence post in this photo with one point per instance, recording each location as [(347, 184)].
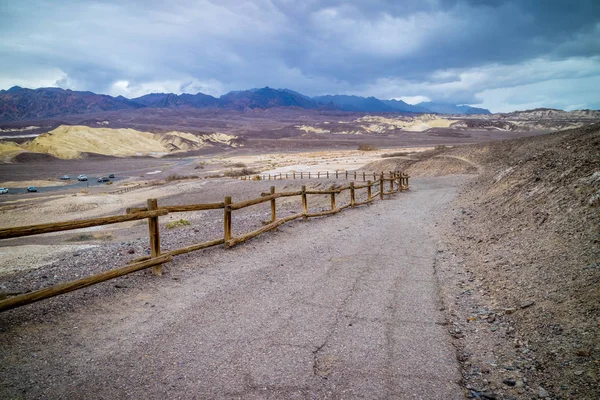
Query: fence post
[(154, 235), (354, 175), (336, 174), (318, 175), (381, 186), (301, 175), (374, 176), (327, 174), (304, 203), (309, 175), (227, 220), (364, 177), (346, 175), (294, 175), (273, 207), (392, 177), (332, 197), (352, 199), (368, 190), (399, 178)]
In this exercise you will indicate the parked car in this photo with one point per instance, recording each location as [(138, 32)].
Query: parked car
[(103, 179), (31, 189), (111, 176), (65, 178), (82, 177), (3, 190)]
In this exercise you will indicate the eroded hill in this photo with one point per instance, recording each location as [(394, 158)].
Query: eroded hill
[(69, 142)]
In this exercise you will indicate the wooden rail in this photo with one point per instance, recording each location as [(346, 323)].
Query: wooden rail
[(397, 183), (354, 175), (28, 298), (8, 233), (124, 190)]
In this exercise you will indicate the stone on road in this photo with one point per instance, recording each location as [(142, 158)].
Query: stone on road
[(340, 307)]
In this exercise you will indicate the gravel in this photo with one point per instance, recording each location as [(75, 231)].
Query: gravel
[(344, 306)]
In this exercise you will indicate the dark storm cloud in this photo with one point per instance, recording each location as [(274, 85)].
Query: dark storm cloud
[(451, 50)]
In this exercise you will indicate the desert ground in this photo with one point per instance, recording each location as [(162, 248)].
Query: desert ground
[(481, 281)]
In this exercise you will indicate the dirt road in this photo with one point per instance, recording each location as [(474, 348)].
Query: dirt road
[(341, 307)]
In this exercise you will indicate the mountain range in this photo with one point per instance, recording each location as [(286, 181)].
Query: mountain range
[(18, 104)]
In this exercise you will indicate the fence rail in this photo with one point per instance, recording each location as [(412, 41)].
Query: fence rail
[(124, 190), (398, 182), (353, 175)]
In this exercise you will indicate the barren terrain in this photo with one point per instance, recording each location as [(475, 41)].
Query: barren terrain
[(520, 263), (516, 257)]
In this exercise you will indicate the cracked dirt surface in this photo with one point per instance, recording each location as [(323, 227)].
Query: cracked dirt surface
[(339, 307)]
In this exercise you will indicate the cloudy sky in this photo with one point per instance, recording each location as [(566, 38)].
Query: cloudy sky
[(502, 55)]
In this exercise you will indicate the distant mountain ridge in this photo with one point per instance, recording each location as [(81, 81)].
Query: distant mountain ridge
[(444, 108), (17, 104)]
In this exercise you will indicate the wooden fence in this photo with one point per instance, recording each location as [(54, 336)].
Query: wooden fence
[(353, 175), (397, 182), (124, 190)]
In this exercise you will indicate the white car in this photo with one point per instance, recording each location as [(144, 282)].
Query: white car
[(82, 177), (3, 190)]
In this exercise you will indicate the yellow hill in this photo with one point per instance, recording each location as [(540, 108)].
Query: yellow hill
[(421, 123), (8, 150), (68, 142), (71, 141)]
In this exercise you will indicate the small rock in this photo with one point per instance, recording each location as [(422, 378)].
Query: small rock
[(509, 382), (520, 383), (527, 304), (542, 393), (583, 352), (578, 373), (489, 396), (131, 250)]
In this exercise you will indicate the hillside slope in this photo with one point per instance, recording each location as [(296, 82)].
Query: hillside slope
[(522, 270), (69, 142)]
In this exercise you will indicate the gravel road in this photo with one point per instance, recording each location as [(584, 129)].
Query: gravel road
[(338, 307)]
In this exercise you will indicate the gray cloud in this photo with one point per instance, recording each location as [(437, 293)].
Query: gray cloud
[(462, 51)]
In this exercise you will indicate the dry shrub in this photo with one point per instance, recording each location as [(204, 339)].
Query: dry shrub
[(175, 177), (82, 237), (155, 183), (240, 172), (175, 224), (366, 147), (397, 154), (239, 165)]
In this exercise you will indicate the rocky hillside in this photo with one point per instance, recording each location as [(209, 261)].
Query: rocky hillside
[(521, 270), (22, 104)]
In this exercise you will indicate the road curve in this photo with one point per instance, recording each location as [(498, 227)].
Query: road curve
[(342, 307)]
